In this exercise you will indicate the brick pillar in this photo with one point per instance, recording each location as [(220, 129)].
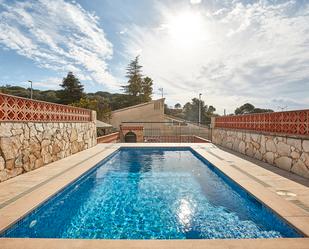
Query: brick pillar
[(137, 130), (212, 126)]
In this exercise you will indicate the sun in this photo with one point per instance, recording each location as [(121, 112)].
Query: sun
[(186, 29)]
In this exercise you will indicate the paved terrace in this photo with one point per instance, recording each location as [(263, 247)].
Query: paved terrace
[(285, 193)]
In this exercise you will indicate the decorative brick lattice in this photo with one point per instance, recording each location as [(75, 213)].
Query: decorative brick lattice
[(21, 109), (290, 122)]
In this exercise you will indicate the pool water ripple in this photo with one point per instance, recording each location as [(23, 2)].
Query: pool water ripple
[(153, 194)]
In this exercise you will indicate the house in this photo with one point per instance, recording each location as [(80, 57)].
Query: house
[(147, 122), (145, 114)]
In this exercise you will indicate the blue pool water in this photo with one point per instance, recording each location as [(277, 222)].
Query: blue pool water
[(152, 194)]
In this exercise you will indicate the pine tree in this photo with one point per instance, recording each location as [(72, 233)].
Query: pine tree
[(72, 90), (146, 89), (134, 75), (177, 106), (98, 104)]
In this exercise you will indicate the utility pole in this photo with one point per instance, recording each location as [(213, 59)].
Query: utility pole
[(199, 109), (30, 89)]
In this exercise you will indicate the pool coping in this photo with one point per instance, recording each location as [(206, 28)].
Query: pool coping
[(20, 207), (155, 244)]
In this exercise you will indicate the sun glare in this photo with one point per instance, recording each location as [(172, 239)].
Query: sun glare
[(186, 29)]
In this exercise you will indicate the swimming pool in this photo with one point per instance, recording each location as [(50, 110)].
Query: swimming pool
[(152, 193)]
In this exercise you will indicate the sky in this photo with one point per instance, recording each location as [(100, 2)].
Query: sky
[(230, 51)]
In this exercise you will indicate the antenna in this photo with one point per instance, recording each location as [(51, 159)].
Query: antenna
[(282, 108), (161, 90)]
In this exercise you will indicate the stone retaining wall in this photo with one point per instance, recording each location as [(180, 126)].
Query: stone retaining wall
[(288, 153), (25, 146)]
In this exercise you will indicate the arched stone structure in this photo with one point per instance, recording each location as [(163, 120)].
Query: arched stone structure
[(130, 137), (135, 134)]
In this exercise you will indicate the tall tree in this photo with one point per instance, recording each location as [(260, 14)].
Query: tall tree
[(177, 106), (72, 90), (146, 89), (135, 78), (98, 104), (191, 111), (211, 110), (246, 108), (249, 108)]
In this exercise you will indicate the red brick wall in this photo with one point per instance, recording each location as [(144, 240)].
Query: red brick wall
[(290, 122), (110, 138), (175, 139), (17, 109)]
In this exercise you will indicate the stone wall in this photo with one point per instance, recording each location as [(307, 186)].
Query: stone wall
[(288, 153), (25, 146)]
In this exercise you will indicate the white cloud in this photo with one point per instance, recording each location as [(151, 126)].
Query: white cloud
[(256, 53), (58, 35), (123, 31), (195, 1), (48, 83)]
